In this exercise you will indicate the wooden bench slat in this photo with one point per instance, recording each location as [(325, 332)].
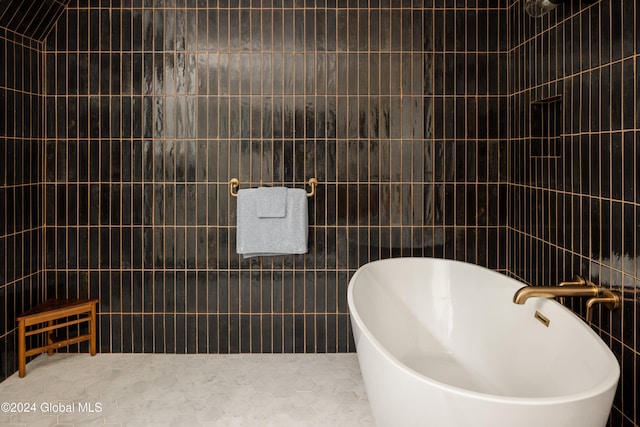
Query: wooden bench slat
[(58, 344), (57, 326), (45, 316), (53, 305)]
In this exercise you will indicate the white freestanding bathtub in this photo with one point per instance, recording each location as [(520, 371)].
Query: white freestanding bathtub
[(441, 344)]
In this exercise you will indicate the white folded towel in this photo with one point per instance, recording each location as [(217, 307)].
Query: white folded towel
[(270, 234), (271, 202)]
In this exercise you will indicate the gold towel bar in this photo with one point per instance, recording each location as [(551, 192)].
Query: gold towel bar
[(234, 183)]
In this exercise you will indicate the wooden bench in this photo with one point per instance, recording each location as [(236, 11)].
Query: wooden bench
[(48, 313)]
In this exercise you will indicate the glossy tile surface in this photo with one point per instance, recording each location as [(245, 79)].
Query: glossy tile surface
[(152, 108), (191, 390), (31, 19), (20, 187), (574, 165)]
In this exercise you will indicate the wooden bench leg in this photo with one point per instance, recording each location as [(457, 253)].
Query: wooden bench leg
[(50, 338), (22, 349), (92, 327)]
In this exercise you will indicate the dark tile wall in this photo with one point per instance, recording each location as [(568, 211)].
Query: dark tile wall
[(32, 19), (574, 164), (20, 189), (399, 111)]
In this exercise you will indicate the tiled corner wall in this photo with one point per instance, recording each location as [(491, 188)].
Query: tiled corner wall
[(576, 192), (399, 111), (31, 19), (20, 194)]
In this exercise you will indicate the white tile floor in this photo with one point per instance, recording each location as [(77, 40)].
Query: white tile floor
[(188, 390)]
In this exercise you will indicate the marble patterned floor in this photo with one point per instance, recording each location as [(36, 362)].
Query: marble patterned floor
[(187, 390)]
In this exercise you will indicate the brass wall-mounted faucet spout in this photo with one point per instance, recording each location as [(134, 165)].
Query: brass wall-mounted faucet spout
[(580, 287), (523, 294)]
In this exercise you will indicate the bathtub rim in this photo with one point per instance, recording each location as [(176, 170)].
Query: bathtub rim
[(608, 384)]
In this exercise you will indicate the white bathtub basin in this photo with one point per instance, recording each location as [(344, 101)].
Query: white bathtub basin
[(441, 344)]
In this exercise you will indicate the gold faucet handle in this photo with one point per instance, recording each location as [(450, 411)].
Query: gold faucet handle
[(577, 281), (610, 299)]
